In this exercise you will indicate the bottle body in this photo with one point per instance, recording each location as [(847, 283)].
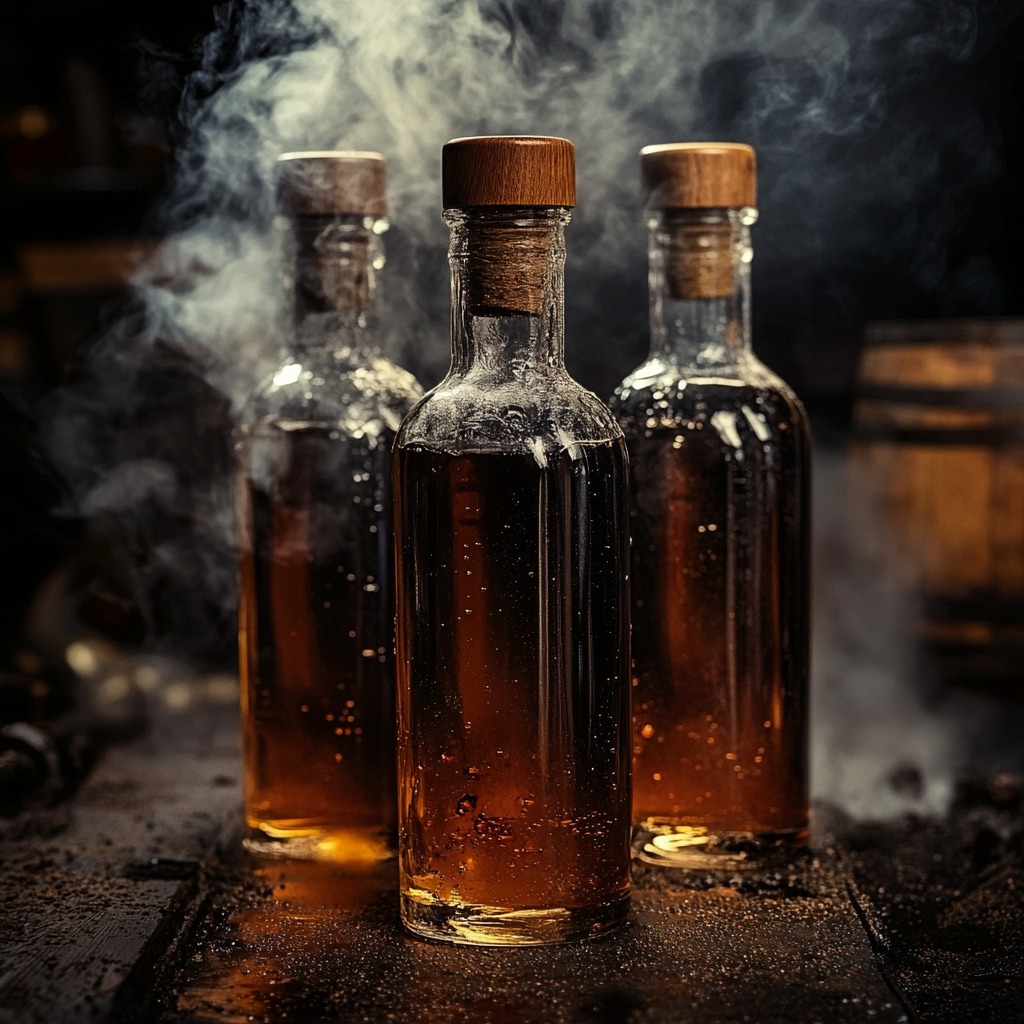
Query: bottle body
[(720, 631), (513, 789), (719, 456), (316, 640), (316, 558), (513, 644)]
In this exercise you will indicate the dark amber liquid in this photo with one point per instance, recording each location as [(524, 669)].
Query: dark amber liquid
[(316, 643), (513, 650), (720, 623)]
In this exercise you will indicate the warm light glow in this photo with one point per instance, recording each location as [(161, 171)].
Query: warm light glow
[(33, 123), (288, 374), (81, 658)]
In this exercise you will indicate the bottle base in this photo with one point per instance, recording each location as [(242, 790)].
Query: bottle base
[(697, 847), (474, 924), (334, 845)]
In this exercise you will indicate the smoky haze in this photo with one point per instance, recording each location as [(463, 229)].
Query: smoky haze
[(869, 163), (866, 168)]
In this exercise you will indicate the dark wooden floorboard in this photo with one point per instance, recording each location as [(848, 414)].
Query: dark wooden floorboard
[(303, 942), (132, 904), (87, 885)]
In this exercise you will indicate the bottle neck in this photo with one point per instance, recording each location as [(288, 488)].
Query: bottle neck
[(507, 270), (334, 264), (700, 286)]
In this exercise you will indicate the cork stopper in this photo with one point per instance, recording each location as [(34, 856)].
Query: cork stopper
[(698, 175), (695, 176), (332, 183), (698, 259), (316, 188), (508, 264), (508, 170)]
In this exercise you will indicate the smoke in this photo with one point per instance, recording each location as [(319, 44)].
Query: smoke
[(871, 721), (870, 159), (868, 156)]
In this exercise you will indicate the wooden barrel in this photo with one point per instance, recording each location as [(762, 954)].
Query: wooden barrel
[(937, 456)]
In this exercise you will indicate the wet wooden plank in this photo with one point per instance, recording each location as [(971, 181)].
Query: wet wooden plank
[(90, 885), (943, 900), (301, 942), (134, 904)]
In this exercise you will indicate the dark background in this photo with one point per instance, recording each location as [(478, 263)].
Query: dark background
[(89, 136)]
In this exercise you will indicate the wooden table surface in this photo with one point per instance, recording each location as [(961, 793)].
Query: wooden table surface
[(133, 903)]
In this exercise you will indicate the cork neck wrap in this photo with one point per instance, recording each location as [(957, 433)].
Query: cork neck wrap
[(698, 260), (508, 258), (700, 254), (335, 262)]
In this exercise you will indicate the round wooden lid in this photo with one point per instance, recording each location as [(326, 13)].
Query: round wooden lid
[(332, 182), (694, 175), (508, 170)]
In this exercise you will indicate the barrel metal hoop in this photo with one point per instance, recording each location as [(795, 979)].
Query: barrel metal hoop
[(962, 398), (988, 437)]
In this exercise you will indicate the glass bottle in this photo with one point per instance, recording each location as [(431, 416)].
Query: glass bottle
[(314, 510), (512, 560), (719, 471)]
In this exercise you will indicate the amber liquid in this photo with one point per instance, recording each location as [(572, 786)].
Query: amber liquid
[(720, 626), (316, 644), (513, 681)]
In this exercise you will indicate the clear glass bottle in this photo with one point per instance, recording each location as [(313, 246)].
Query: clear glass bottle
[(719, 470), (316, 614), (512, 560)]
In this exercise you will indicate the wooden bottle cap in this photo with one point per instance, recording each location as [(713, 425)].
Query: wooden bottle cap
[(698, 175), (332, 182), (508, 170)]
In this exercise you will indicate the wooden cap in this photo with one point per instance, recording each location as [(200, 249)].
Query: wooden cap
[(508, 170), (332, 182), (696, 175)]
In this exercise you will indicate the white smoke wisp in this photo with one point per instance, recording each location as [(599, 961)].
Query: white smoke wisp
[(824, 89), (887, 739), (869, 714), (791, 76)]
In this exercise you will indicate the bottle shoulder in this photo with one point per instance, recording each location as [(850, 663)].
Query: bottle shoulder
[(357, 391), (753, 412), (516, 414), (659, 394)]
